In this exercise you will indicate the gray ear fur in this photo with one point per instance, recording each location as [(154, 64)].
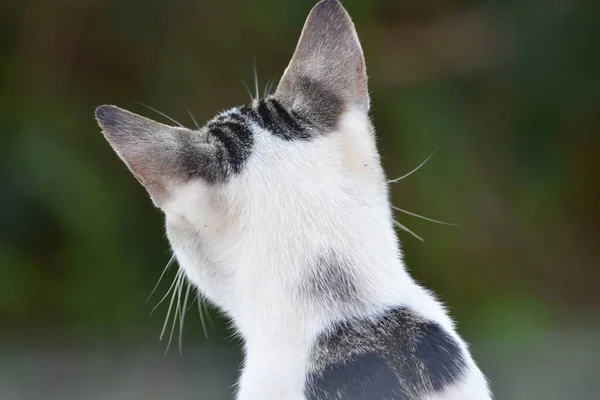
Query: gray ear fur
[(158, 155), (327, 73)]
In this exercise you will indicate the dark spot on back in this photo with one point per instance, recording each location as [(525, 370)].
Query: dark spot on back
[(439, 354), (422, 355), (363, 377)]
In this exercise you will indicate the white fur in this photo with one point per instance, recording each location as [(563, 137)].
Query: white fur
[(247, 244)]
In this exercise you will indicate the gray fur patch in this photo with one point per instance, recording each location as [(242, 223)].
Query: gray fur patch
[(318, 102), (423, 357), (331, 281)]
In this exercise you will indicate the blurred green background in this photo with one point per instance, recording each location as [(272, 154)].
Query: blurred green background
[(509, 91)]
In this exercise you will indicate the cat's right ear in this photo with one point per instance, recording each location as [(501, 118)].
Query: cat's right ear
[(160, 156), (327, 73)]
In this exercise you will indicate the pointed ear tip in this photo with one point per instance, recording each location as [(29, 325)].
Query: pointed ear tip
[(336, 3), (330, 15), (104, 112), (108, 115), (329, 6)]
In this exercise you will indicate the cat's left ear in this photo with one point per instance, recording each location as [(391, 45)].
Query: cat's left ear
[(327, 74), (161, 157)]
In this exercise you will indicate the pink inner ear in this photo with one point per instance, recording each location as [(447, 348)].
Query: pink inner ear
[(148, 176)]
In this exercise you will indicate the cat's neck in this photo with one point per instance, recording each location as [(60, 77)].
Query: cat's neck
[(293, 291)]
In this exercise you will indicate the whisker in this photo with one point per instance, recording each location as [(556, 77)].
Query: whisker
[(404, 228), (271, 86), (161, 276), (248, 90), (177, 310), (170, 304), (202, 316), (414, 170), (165, 296), (256, 80), (193, 119), (211, 322), (161, 113), (191, 304), (182, 317), (425, 218), (267, 87)]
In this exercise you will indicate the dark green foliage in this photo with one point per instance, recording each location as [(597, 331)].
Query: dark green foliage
[(507, 90)]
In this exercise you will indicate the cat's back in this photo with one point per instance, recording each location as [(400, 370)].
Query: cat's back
[(398, 355)]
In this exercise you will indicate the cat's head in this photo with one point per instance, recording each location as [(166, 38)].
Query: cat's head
[(296, 163)]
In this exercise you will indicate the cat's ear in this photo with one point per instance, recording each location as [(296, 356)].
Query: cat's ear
[(160, 156), (327, 73)]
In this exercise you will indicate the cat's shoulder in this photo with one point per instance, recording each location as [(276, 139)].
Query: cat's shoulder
[(397, 355)]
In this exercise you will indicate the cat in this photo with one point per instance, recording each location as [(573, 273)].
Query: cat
[(278, 212)]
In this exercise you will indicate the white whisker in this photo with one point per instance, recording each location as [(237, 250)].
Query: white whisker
[(161, 276), (177, 309), (248, 90), (191, 305), (171, 303), (425, 218), (256, 80), (270, 85), (202, 316), (182, 316), (404, 228), (267, 88), (192, 116), (414, 170), (161, 113), (207, 313), (165, 296)]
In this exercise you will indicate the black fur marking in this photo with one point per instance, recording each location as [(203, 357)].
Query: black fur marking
[(229, 145), (271, 115), (236, 140), (364, 377), (294, 129), (232, 135), (440, 356), (241, 131), (266, 116), (236, 118), (423, 357), (247, 112)]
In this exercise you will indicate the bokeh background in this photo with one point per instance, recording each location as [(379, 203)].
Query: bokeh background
[(507, 91)]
